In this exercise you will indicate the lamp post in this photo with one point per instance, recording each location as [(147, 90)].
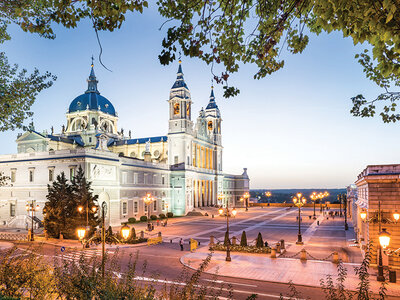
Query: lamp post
[(384, 236), (339, 197), (221, 197), (268, 194), (31, 207), (344, 199), (93, 210), (322, 196), (228, 214), (81, 232), (148, 199), (246, 197), (299, 201), (314, 198), (103, 237)]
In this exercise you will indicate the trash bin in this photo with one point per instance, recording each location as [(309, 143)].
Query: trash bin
[(392, 276)]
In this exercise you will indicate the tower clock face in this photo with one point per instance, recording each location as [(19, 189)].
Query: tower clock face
[(176, 108), (210, 125)]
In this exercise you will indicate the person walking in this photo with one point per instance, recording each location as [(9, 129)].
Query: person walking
[(181, 244)]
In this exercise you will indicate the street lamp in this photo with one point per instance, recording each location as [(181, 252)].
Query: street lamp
[(299, 201), (32, 208), (148, 199), (314, 198), (221, 197), (125, 232), (343, 197), (396, 216), (93, 210), (268, 194), (246, 197), (103, 237), (228, 214), (81, 231), (384, 236)]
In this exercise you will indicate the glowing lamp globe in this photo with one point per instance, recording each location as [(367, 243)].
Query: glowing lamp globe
[(384, 238), (81, 232), (303, 200), (125, 232), (220, 211), (363, 215), (80, 208), (94, 209), (234, 212), (396, 216)]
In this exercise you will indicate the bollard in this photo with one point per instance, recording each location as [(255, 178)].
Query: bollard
[(303, 254), (142, 234), (61, 237), (234, 240), (170, 241), (273, 253), (335, 257), (278, 247), (283, 244), (211, 241), (159, 234)]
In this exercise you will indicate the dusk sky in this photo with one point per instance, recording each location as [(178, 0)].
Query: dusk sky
[(292, 129)]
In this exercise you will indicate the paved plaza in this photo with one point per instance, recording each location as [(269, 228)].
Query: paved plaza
[(248, 273)]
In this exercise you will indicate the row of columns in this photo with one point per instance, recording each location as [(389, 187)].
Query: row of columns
[(203, 157), (203, 193)]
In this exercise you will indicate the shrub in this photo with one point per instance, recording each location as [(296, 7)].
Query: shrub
[(237, 248), (243, 239), (161, 216), (170, 214), (260, 242), (143, 218), (153, 217), (131, 220), (133, 233)]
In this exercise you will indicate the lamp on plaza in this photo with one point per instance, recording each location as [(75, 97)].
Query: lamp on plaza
[(148, 199), (31, 207), (396, 216), (103, 237), (344, 199), (92, 210), (268, 195), (81, 231), (363, 215), (299, 201), (339, 197), (125, 232), (246, 197), (227, 214), (384, 238), (314, 198), (221, 197)]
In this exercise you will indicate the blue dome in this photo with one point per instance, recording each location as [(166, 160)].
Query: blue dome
[(92, 101)]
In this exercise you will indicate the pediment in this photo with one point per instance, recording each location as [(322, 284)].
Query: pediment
[(30, 136)]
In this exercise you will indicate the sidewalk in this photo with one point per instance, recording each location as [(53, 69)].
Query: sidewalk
[(282, 270)]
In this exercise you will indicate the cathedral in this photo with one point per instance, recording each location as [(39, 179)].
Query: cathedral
[(182, 170)]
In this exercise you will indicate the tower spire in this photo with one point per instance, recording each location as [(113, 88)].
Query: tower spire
[(179, 82), (92, 80)]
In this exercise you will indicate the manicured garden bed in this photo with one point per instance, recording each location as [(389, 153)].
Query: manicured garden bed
[(238, 248)]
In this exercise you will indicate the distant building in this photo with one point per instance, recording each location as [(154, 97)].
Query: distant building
[(182, 169), (379, 183)]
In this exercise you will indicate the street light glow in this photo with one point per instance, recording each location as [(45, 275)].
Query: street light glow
[(125, 231), (81, 233), (384, 238)]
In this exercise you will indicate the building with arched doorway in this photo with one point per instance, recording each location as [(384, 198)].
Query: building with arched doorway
[(182, 169)]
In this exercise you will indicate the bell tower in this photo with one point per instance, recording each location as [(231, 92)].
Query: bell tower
[(180, 106)]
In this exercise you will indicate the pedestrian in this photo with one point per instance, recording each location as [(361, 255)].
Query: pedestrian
[(181, 244), (158, 222)]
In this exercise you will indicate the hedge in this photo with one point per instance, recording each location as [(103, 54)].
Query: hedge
[(143, 218)]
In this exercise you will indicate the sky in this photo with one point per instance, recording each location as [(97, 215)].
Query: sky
[(292, 129)]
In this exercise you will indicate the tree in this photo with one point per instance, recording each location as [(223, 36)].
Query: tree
[(3, 179), (243, 239), (259, 242), (83, 196), (61, 213), (57, 209), (230, 33), (256, 32)]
